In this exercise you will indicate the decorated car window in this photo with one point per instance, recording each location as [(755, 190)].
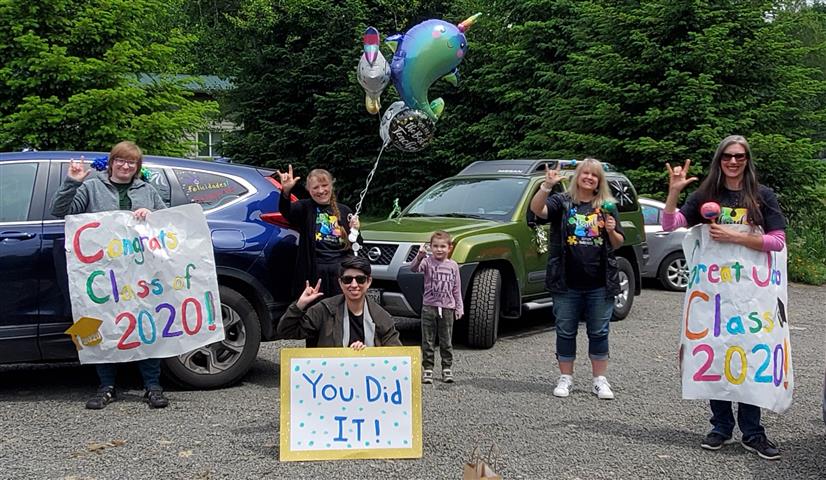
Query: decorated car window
[(157, 177), (624, 193), (210, 190), (650, 215), (16, 188)]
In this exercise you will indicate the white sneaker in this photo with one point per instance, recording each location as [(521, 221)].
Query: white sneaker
[(602, 389), (563, 386)]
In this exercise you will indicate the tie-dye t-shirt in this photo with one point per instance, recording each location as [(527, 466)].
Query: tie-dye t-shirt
[(732, 209), (329, 234), (584, 266)]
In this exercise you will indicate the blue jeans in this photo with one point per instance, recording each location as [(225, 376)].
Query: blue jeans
[(748, 419), (569, 308), (150, 369)]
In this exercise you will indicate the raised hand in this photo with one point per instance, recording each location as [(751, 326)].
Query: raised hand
[(677, 176), (141, 213), (309, 295), (287, 180), (78, 170), (552, 177)]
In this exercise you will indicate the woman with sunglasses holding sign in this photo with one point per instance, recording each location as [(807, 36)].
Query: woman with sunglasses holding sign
[(118, 188), (732, 183), (345, 320)]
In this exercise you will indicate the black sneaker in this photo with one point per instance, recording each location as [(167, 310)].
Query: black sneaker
[(102, 397), (715, 441), (154, 397), (762, 446)]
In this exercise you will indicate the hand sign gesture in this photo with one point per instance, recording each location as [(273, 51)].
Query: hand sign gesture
[(677, 180), (288, 181), (552, 177), (77, 170), (309, 295)]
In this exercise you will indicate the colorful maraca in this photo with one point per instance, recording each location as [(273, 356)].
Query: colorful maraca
[(710, 211), (609, 207)]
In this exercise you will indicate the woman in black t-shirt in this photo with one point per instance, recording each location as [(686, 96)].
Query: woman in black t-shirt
[(323, 225), (582, 272), (732, 183)]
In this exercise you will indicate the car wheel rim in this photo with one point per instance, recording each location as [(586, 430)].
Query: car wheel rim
[(622, 296), (219, 356), (677, 273)]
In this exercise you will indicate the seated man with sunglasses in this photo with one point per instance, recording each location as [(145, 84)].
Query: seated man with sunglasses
[(345, 320)]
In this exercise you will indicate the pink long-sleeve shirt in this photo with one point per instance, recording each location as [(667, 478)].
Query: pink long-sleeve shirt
[(773, 241), (442, 283)]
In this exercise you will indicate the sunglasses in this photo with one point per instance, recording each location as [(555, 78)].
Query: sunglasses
[(348, 279), (737, 157)]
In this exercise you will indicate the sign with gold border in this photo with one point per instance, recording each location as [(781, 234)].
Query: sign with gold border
[(338, 403)]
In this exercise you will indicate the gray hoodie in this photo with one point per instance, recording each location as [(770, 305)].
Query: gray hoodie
[(97, 194)]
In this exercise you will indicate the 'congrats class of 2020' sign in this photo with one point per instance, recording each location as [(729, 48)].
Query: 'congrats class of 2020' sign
[(735, 333), (141, 289), (337, 403)]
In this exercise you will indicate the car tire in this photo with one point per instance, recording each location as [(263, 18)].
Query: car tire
[(624, 300), (223, 363), (483, 308), (673, 272)]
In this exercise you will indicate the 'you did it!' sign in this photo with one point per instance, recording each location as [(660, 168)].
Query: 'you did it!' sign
[(141, 289), (735, 333), (337, 403)]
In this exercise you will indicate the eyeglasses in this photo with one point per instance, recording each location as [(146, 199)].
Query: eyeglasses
[(348, 279), (737, 157), (123, 161)]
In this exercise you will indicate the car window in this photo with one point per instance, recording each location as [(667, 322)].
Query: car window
[(16, 190), (210, 190), (490, 198), (651, 215), (624, 193), (157, 177)]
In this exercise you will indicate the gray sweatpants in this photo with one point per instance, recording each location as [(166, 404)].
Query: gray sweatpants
[(433, 325)]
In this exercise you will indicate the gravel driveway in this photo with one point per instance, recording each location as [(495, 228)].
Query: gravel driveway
[(502, 395)]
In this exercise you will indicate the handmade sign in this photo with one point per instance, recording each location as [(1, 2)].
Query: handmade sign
[(735, 331), (141, 289), (337, 403)]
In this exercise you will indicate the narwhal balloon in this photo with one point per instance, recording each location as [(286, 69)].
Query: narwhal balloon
[(429, 51)]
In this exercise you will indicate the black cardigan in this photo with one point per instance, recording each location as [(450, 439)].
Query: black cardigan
[(301, 214)]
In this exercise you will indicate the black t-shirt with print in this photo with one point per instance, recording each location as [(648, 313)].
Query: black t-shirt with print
[(733, 210), (329, 234), (584, 242), (356, 326)]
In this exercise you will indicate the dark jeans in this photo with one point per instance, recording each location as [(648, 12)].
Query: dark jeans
[(150, 369), (432, 325), (569, 308), (748, 419)]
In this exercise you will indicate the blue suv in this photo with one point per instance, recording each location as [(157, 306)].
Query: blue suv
[(254, 253)]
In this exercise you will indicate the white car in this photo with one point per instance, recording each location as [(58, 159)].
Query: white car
[(666, 261)]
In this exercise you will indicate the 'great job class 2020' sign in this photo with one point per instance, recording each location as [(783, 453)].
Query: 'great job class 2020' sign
[(141, 289), (735, 328), (340, 403)]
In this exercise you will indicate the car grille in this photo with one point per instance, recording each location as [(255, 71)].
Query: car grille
[(385, 256), (414, 250)]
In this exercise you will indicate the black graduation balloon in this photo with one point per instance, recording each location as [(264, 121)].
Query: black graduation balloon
[(407, 129)]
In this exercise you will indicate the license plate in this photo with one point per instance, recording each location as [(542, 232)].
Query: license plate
[(374, 294)]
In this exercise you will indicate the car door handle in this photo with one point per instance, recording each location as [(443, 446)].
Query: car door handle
[(16, 235), (662, 234)]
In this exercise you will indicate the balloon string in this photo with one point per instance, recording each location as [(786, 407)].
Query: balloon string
[(369, 179)]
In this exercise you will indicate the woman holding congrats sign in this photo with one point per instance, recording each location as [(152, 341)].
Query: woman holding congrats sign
[(119, 188), (732, 183), (582, 273)]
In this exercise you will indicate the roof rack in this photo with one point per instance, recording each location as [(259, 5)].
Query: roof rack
[(522, 166)]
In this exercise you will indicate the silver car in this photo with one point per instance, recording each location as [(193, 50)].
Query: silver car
[(666, 261)]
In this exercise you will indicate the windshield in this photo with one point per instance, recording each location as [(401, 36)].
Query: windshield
[(492, 199)]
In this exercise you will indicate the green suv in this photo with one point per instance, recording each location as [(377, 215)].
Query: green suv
[(497, 242)]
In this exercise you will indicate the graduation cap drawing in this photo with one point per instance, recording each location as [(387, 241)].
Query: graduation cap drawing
[(85, 331)]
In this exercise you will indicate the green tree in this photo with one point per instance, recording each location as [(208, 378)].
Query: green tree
[(71, 76)]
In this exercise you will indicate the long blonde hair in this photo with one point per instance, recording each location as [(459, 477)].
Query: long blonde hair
[(603, 193), (320, 172)]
